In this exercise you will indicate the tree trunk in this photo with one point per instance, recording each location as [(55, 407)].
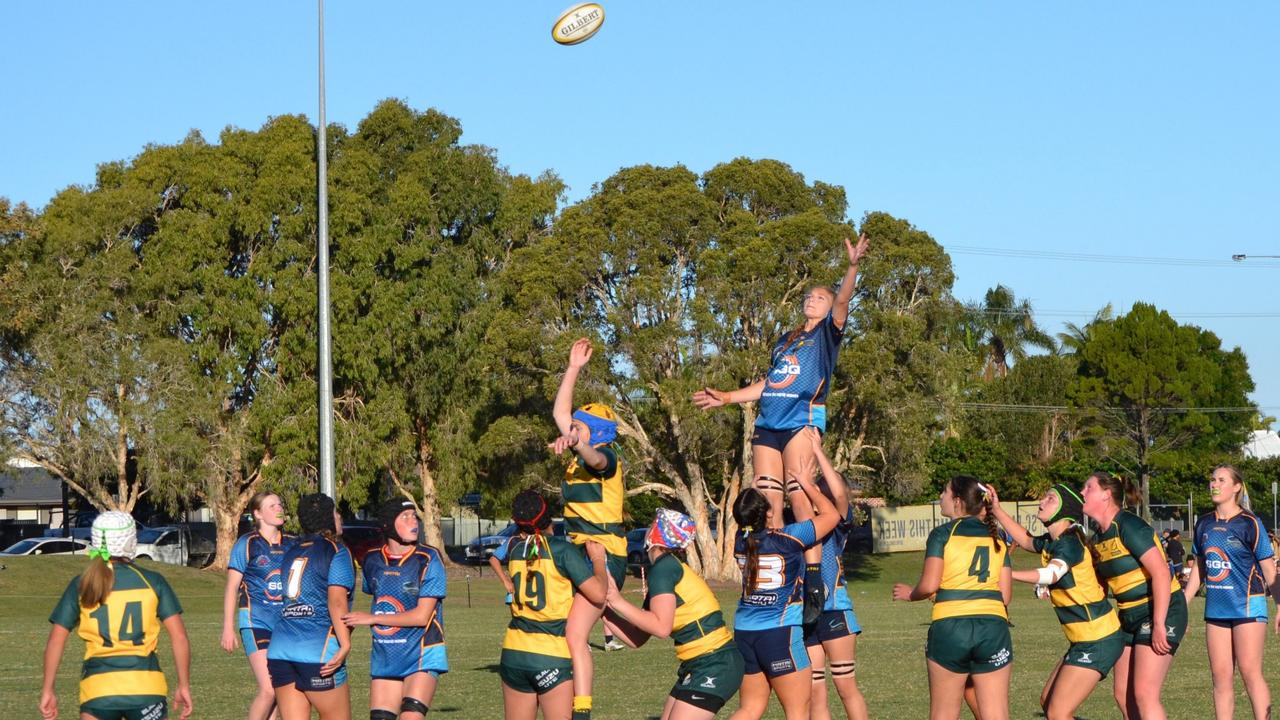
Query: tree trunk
[(227, 521), (431, 533)]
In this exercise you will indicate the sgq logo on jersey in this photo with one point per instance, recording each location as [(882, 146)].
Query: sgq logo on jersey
[(785, 372), (1217, 566), (578, 23)]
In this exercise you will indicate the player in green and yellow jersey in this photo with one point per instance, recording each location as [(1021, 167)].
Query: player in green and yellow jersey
[(546, 573), (1153, 612), (679, 605), (1087, 618), (968, 575), (119, 609), (593, 494)]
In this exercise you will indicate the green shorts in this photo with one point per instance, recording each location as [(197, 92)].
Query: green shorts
[(707, 682), (532, 673), (970, 645), (617, 565), (1100, 655), (1138, 627), (153, 710)]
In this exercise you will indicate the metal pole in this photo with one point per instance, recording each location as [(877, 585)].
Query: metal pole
[(325, 408)]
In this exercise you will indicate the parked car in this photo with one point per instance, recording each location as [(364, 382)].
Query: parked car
[(47, 546), (479, 550), (167, 544), (361, 538), (637, 556)]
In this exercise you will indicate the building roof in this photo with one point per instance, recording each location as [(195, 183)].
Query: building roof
[(1262, 444), (28, 486)]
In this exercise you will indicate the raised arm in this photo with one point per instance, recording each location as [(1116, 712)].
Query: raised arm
[(840, 309), (825, 518), (657, 621), (1020, 536), (562, 409), (835, 481)]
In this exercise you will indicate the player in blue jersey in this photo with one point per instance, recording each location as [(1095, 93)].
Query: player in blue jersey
[(833, 636), (767, 623), (309, 643), (407, 582), (793, 396), (255, 593), (1235, 561)]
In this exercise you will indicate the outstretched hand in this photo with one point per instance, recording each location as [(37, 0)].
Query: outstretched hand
[(564, 442), (814, 437), (859, 251), (707, 398), (580, 353)]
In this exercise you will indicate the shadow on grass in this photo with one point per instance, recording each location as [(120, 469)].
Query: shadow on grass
[(491, 667), (861, 567)]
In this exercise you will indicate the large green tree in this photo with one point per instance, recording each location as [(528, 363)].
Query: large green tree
[(421, 225), (1156, 390)]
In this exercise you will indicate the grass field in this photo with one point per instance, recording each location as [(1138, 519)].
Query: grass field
[(630, 684)]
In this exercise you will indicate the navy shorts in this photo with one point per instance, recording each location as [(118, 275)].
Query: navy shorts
[(1232, 622), (776, 439), (254, 639), (304, 676), (831, 625), (774, 652)]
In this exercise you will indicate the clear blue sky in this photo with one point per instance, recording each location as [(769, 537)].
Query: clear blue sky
[(1136, 129)]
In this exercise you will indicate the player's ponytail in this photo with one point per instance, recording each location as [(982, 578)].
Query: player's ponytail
[(751, 512), (96, 581), (976, 499)]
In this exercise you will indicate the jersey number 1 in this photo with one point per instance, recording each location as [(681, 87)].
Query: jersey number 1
[(980, 567), (130, 624)]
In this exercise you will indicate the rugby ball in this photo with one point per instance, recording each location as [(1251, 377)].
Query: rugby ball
[(578, 23)]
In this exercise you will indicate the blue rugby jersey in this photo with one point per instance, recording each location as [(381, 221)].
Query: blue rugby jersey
[(833, 583), (795, 390), (304, 633), (261, 592), (397, 584), (777, 598), (1229, 551)]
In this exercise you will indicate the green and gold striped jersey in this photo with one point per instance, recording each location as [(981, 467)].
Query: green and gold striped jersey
[(1119, 548), (120, 636), (971, 566), (1078, 597), (699, 626), (545, 572), (593, 502)]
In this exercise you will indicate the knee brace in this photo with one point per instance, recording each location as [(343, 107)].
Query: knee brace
[(819, 675), (413, 705), (765, 483), (843, 669), (382, 715)]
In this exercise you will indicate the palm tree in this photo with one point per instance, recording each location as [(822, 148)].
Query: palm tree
[(1005, 329), (1073, 340)]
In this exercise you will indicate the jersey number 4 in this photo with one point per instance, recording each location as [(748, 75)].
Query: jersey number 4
[(980, 566), (130, 624)]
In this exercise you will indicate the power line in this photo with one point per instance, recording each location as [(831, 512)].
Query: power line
[(1010, 407), (1100, 258), (1013, 312)]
